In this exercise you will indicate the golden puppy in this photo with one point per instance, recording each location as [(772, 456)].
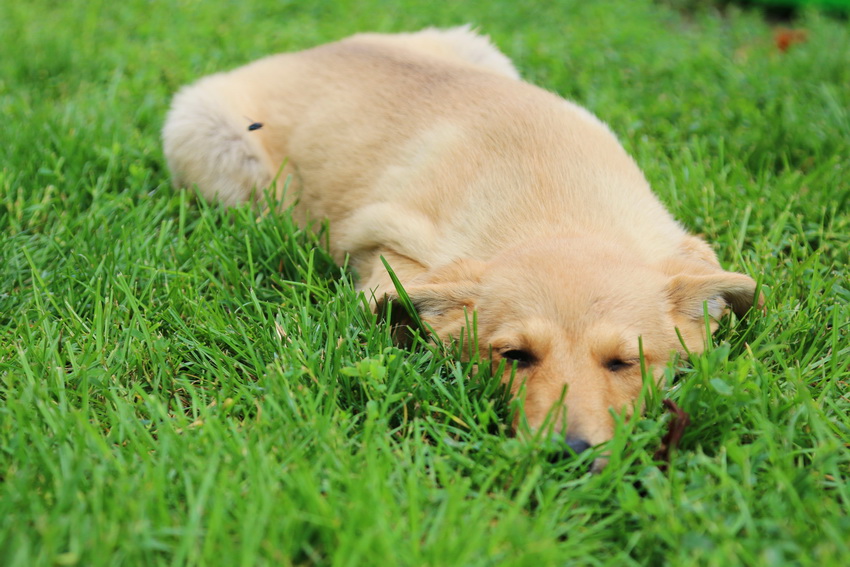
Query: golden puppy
[(483, 193)]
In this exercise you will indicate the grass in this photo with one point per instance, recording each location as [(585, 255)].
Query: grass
[(186, 385)]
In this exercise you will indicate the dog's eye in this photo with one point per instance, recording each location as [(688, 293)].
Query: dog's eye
[(618, 364), (523, 358)]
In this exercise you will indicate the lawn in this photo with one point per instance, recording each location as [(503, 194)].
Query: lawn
[(182, 384)]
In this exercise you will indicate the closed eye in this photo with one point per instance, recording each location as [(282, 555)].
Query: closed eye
[(619, 365), (523, 358)]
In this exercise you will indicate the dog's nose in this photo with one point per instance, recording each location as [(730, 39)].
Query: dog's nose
[(574, 446), (577, 445)]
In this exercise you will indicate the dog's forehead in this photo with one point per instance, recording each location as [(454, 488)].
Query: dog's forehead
[(574, 290), (576, 272)]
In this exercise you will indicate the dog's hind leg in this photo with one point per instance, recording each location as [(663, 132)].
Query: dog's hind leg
[(459, 44), (474, 48)]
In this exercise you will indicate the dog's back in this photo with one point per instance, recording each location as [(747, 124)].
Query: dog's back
[(229, 133), (434, 123)]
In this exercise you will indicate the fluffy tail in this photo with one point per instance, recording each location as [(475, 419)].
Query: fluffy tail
[(209, 144)]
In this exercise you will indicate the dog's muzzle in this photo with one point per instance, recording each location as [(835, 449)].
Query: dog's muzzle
[(577, 445)]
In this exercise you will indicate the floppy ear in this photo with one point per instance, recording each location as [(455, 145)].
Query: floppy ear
[(440, 298), (696, 278), (718, 290)]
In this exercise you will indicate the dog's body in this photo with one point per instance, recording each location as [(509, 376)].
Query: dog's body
[(482, 192)]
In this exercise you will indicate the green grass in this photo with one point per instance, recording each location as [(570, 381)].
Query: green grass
[(186, 385)]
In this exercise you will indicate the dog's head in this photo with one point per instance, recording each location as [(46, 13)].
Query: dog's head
[(574, 317)]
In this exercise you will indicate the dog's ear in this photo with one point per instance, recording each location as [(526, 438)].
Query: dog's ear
[(696, 278), (718, 290), (439, 298)]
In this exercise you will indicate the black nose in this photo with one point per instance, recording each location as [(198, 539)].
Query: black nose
[(577, 445)]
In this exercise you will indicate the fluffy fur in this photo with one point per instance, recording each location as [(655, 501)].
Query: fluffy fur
[(483, 192)]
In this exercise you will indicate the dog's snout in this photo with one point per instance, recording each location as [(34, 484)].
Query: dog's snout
[(574, 446), (577, 445)]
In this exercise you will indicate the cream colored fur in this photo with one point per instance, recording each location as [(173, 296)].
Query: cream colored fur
[(483, 192)]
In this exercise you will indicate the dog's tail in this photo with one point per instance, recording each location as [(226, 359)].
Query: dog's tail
[(208, 143)]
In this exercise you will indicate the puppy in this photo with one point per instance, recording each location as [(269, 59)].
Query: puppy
[(483, 193)]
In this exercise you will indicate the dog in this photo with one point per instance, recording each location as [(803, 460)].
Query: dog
[(484, 194)]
